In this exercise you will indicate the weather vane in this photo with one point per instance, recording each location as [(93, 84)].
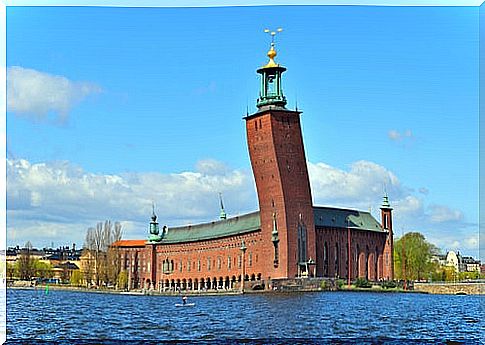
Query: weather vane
[(273, 33)]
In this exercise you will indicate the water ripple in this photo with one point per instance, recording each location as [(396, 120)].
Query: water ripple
[(76, 315)]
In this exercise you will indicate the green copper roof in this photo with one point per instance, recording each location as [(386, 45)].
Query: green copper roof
[(207, 231), (337, 218), (324, 216)]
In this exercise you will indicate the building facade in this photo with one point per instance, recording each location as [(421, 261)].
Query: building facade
[(288, 237)]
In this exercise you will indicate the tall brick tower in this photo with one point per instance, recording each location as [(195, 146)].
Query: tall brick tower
[(388, 260), (279, 166)]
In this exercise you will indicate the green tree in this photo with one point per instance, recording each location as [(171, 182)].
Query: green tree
[(123, 280), (42, 269), (412, 257), (76, 278), (469, 275), (11, 270)]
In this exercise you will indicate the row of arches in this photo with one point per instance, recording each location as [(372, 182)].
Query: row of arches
[(366, 261), (202, 284)]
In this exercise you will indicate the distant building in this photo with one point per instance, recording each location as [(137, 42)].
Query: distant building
[(62, 259), (469, 264), (458, 262), (63, 271)]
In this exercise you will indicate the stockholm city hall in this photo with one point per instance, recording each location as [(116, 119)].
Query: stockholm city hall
[(287, 238)]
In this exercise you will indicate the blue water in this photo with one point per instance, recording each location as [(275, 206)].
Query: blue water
[(330, 315)]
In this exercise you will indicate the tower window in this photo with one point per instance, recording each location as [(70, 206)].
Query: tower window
[(260, 124)]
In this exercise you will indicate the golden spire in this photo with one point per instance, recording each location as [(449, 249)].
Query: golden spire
[(272, 52)]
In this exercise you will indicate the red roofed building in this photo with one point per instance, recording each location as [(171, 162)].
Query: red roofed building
[(288, 237)]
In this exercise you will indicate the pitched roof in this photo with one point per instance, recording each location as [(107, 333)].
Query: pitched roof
[(67, 265), (206, 231), (129, 243), (343, 218), (324, 217)]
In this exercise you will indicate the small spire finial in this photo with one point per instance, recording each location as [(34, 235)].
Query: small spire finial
[(154, 216), (272, 52), (223, 214)]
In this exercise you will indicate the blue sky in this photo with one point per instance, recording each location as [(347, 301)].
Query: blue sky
[(110, 109)]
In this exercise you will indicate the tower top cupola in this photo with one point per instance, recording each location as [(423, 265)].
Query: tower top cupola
[(385, 203), (271, 93), (154, 236)]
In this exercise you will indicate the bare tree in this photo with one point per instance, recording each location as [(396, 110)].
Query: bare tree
[(26, 262), (105, 258), (88, 254), (114, 263)]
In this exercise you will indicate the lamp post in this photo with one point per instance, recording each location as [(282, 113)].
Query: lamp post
[(243, 251)]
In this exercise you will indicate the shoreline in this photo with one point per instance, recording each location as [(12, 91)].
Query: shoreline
[(197, 293), (478, 289)]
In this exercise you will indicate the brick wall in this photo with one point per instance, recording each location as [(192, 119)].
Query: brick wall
[(280, 171)]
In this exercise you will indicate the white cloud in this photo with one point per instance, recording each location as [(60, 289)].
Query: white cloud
[(361, 186), (471, 242), (58, 201), (36, 94), (397, 136), (441, 213), (67, 200)]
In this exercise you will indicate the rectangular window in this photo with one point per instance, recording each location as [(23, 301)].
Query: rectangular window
[(229, 262), (239, 261), (198, 265), (219, 263), (250, 259), (208, 264)]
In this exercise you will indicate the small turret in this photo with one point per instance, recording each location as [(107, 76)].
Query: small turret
[(154, 229), (386, 219)]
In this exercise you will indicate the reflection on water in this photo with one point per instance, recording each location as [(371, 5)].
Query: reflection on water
[(31, 314)]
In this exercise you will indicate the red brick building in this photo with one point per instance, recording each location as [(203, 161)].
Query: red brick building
[(288, 237)]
